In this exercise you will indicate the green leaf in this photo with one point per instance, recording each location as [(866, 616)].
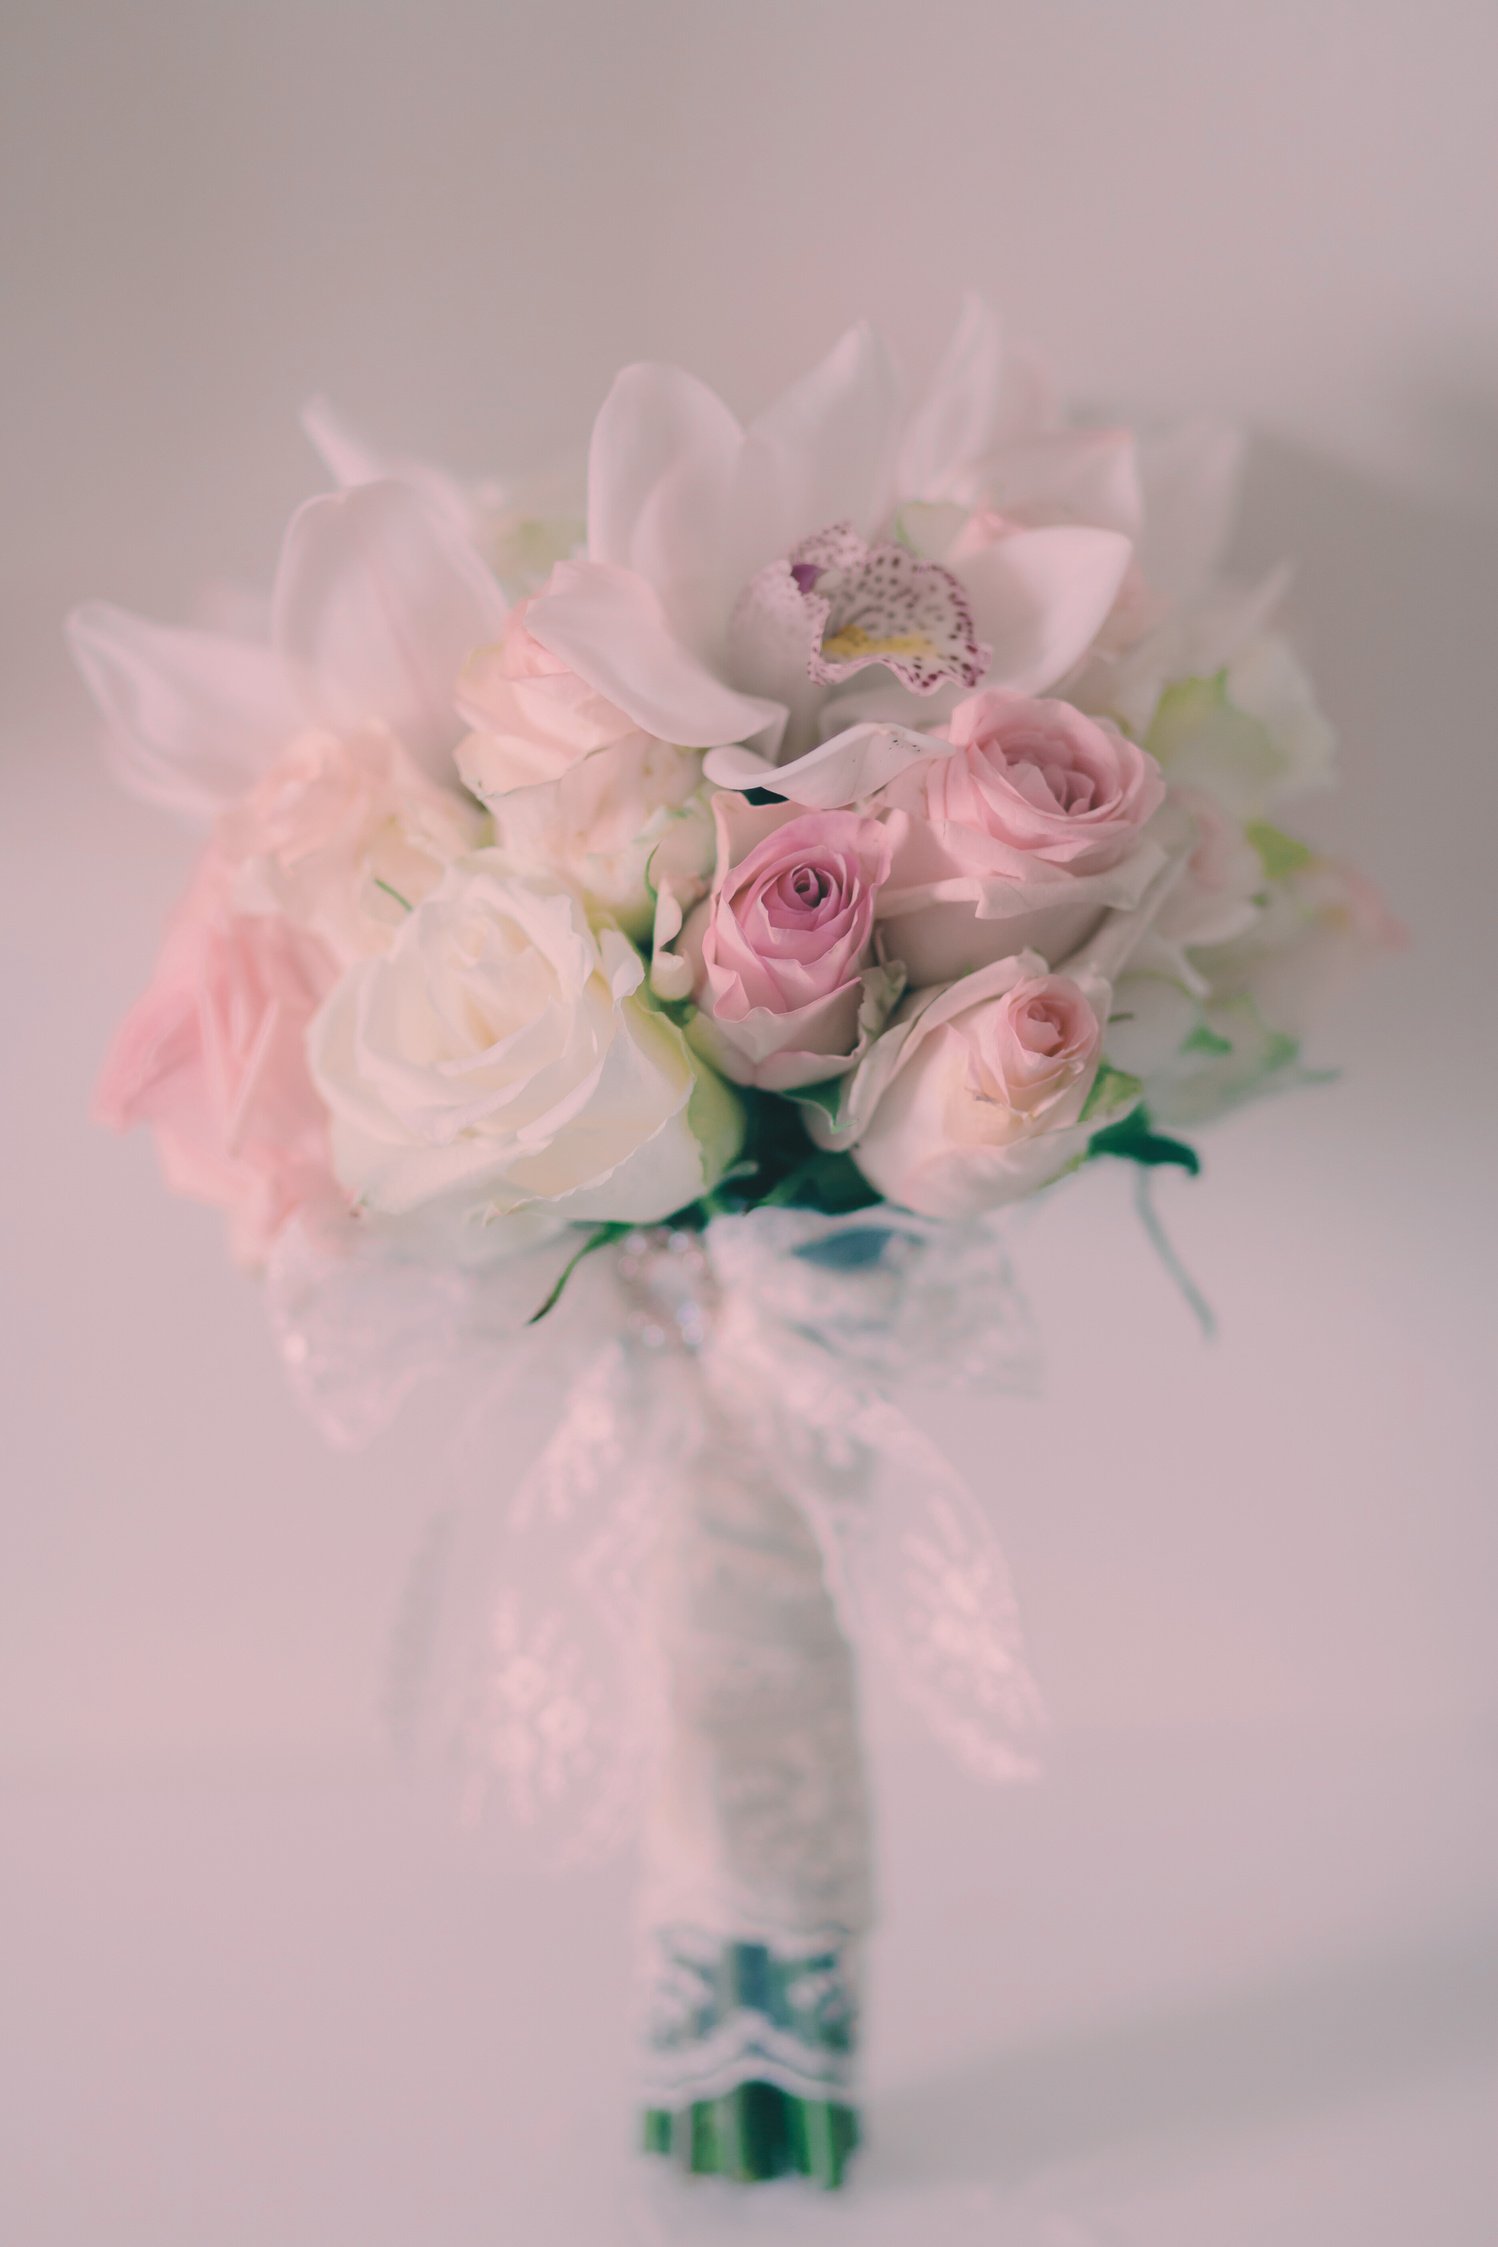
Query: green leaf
[(1183, 709), (1281, 1051), (832, 1184), (1279, 854), (828, 1095), (1203, 1040), (600, 1237), (1111, 1088), (1135, 1140)]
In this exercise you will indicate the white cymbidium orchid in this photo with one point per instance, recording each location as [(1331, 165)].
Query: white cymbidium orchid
[(378, 601), (756, 585), (522, 527)]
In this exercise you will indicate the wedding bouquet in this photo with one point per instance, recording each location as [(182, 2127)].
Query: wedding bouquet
[(741, 882)]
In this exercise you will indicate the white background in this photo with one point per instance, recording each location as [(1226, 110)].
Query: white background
[(1222, 1979)]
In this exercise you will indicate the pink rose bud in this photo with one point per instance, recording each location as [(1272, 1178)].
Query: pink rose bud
[(976, 1096), (782, 949), (1023, 836)]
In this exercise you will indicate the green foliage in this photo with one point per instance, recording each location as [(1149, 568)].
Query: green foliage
[(830, 1183), (1204, 1040), (783, 1168), (1112, 1089), (1279, 854), (1135, 1140), (599, 1237)]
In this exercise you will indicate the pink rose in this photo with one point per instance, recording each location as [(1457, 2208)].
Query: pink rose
[(533, 718), (213, 1058), (1023, 836), (781, 951), (974, 1095)]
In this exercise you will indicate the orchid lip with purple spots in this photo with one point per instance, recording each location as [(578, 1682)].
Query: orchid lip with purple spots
[(884, 604), (836, 604)]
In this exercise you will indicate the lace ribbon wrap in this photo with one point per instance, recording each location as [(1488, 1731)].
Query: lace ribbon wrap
[(656, 1630)]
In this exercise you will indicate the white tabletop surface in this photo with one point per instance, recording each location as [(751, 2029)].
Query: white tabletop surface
[(1240, 1990)]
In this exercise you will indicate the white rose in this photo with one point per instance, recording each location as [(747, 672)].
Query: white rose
[(500, 1060), (598, 821)]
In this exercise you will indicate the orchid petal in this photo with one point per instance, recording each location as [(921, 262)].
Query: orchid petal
[(848, 769), (772, 638), (822, 453), (658, 423), (348, 457), (1083, 475), (1028, 401), (351, 460), (608, 625), (1191, 476), (194, 717), (1040, 597), (379, 603), (952, 427)]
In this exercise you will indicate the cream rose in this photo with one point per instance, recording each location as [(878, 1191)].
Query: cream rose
[(1022, 837), (600, 821), (500, 1060), (533, 719), (343, 835), (974, 1095)]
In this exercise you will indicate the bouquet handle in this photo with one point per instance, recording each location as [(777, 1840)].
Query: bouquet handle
[(756, 1880)]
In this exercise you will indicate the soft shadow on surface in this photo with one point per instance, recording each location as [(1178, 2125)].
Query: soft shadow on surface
[(1214, 2072)]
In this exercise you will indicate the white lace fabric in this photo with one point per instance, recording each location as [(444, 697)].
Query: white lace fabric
[(657, 1631)]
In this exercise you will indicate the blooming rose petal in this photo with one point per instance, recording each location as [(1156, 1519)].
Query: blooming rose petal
[(974, 1096), (781, 952), (213, 1059), (500, 1057)]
